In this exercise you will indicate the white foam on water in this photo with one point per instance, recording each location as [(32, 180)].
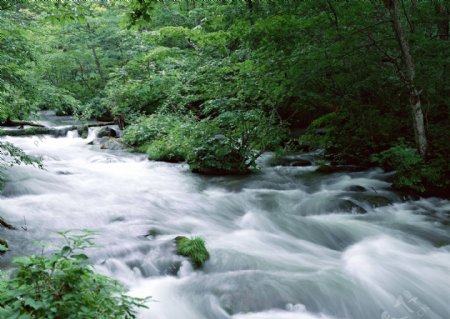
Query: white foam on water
[(280, 245)]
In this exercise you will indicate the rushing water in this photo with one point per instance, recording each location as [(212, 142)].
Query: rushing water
[(286, 243)]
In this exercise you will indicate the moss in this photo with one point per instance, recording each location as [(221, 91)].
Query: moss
[(83, 131), (3, 246), (193, 248), (26, 132)]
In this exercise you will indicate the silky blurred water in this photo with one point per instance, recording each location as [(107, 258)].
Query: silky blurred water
[(286, 243)]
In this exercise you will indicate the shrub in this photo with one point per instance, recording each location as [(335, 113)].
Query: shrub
[(166, 150), (151, 128), (64, 285), (406, 162), (231, 142), (193, 248), (227, 144), (413, 173)]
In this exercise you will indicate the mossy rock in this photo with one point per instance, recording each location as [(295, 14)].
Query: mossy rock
[(83, 131), (107, 131), (27, 131), (193, 248), (3, 246)]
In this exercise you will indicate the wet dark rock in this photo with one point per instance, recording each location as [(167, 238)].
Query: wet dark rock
[(64, 173), (301, 162), (172, 268), (107, 131), (373, 199), (153, 233), (325, 169), (355, 188), (83, 131), (346, 205), (108, 143), (330, 169), (290, 161)]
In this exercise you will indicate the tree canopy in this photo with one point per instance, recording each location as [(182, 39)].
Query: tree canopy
[(359, 79)]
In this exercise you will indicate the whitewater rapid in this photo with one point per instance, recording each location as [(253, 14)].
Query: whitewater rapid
[(285, 243)]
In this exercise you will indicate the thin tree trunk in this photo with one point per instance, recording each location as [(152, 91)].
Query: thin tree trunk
[(94, 53), (250, 9), (333, 11), (442, 24), (97, 63), (409, 78)]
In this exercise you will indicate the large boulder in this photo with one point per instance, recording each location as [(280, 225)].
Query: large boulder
[(107, 131)]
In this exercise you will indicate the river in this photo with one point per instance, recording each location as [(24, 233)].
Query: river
[(285, 243)]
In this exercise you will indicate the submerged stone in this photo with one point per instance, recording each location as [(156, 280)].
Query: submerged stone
[(301, 162), (355, 188), (347, 205)]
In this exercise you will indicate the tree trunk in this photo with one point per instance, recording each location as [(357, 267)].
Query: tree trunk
[(250, 9), (94, 53), (409, 79), (97, 63), (442, 23)]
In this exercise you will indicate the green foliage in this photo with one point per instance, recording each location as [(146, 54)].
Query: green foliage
[(153, 127), (11, 155), (193, 248), (170, 149), (413, 172), (174, 37), (3, 246), (163, 137), (231, 142), (333, 66), (16, 55), (64, 285), (227, 144), (406, 162)]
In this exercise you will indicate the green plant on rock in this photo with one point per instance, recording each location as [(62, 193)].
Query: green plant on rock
[(193, 248), (64, 285), (3, 246)]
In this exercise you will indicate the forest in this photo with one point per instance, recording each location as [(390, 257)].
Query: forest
[(215, 85)]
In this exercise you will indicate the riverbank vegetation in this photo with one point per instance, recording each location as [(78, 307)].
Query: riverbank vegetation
[(216, 83), (63, 285)]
